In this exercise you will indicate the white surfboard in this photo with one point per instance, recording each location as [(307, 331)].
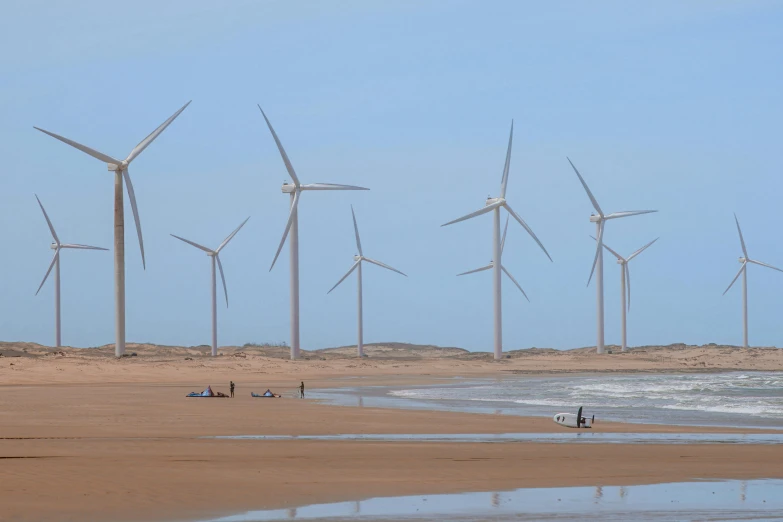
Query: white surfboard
[(573, 420)]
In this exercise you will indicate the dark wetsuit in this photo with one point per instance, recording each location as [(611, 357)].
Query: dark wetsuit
[(232, 388)]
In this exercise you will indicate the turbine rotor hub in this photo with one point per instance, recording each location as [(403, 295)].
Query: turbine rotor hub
[(117, 168)]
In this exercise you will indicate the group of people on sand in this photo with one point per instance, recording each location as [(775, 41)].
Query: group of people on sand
[(268, 392)]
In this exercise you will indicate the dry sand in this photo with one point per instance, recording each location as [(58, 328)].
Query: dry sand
[(84, 436)]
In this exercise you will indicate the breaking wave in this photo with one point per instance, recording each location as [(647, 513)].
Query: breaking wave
[(726, 398)]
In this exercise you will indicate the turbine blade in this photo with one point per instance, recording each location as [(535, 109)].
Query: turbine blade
[(587, 189), (353, 267), (81, 247), (135, 209), (628, 283), (48, 221), (627, 213), (189, 242), (94, 153), (505, 230), (291, 215), (477, 270), (230, 236), (600, 241), (514, 281), (484, 210), (331, 186), (642, 249), (287, 162), (618, 256), (735, 277), (51, 265), (764, 264), (387, 267), (529, 230), (742, 240), (356, 231), (138, 149), (504, 179), (222, 277)]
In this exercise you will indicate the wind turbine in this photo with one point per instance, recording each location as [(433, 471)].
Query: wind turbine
[(744, 271), (358, 264), (120, 169), (294, 190), (625, 279), (598, 261), (57, 246), (215, 255), (503, 268), (493, 205)]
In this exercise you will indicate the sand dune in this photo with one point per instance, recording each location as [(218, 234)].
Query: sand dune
[(32, 363)]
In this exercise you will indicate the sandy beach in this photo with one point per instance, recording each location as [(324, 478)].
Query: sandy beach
[(84, 436)]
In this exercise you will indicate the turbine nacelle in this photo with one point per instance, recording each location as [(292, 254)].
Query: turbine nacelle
[(54, 246), (595, 219), (492, 201), (357, 257), (288, 188), (742, 260)]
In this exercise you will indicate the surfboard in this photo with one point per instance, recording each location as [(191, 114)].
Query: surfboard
[(570, 420)]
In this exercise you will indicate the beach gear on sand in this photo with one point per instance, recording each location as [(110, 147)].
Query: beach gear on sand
[(206, 393), (266, 395)]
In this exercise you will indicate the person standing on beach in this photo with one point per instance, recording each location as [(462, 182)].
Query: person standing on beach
[(301, 390), (232, 388)]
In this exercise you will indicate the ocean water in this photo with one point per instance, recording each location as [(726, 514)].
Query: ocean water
[(746, 399)]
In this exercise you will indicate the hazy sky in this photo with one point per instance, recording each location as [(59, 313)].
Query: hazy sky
[(669, 105)]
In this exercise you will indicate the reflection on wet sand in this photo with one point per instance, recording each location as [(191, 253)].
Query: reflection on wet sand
[(727, 500)]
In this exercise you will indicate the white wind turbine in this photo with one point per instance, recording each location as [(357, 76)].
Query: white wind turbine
[(625, 282), (598, 261), (744, 271), (120, 169), (215, 255), (358, 264), (57, 246), (503, 268), (295, 190), (493, 205)]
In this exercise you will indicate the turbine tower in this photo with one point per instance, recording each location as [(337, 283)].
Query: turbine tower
[(120, 169), (358, 264), (215, 255), (57, 246), (598, 261), (503, 268), (625, 282), (494, 205), (744, 271), (294, 190)]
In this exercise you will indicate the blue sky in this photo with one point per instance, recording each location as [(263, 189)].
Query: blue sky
[(668, 105)]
